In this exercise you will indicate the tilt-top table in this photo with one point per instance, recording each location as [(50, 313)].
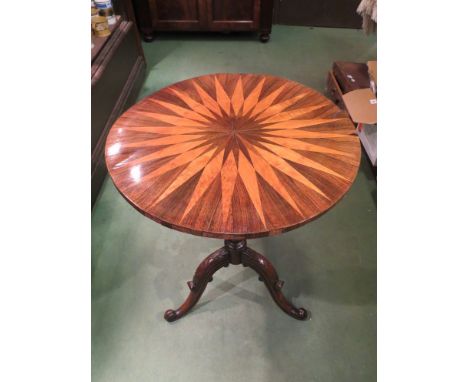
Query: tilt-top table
[(233, 156)]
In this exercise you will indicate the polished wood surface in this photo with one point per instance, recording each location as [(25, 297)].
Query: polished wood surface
[(229, 15), (233, 156), (235, 252), (239, 10)]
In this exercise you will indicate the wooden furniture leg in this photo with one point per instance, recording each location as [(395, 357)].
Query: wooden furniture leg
[(268, 275), (264, 37), (235, 252), (148, 37), (203, 275)]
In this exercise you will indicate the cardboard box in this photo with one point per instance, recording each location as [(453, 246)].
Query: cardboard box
[(372, 66), (361, 105), (368, 136), (362, 108)]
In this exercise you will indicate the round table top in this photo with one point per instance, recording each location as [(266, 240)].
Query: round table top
[(233, 156)]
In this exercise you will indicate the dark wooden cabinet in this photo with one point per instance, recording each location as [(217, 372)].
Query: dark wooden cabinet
[(204, 15)]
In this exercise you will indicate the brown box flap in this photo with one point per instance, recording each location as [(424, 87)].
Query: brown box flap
[(361, 105), (372, 65)]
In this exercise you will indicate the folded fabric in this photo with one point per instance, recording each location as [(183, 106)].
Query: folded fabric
[(368, 10)]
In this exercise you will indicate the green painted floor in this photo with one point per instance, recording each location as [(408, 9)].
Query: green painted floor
[(236, 333)]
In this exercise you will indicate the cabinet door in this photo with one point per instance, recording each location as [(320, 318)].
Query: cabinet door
[(233, 15), (178, 14)]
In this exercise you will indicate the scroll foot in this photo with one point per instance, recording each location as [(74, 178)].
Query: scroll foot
[(170, 315), (203, 275), (268, 275)]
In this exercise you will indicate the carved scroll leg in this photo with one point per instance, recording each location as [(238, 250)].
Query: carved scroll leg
[(268, 275), (203, 275)]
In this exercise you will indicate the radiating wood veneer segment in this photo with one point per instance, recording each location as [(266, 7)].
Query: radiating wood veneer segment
[(233, 155)]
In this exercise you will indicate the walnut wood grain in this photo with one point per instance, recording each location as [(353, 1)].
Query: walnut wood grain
[(203, 275), (235, 252), (204, 15), (233, 156)]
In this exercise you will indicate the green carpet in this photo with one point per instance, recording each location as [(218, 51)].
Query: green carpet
[(237, 333)]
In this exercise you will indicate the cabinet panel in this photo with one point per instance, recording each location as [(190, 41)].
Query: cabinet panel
[(233, 15), (177, 10), (233, 10), (179, 14)]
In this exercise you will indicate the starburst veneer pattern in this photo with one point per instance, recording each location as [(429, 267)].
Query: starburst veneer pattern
[(233, 156)]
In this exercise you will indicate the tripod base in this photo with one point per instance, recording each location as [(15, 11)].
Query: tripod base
[(235, 252)]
